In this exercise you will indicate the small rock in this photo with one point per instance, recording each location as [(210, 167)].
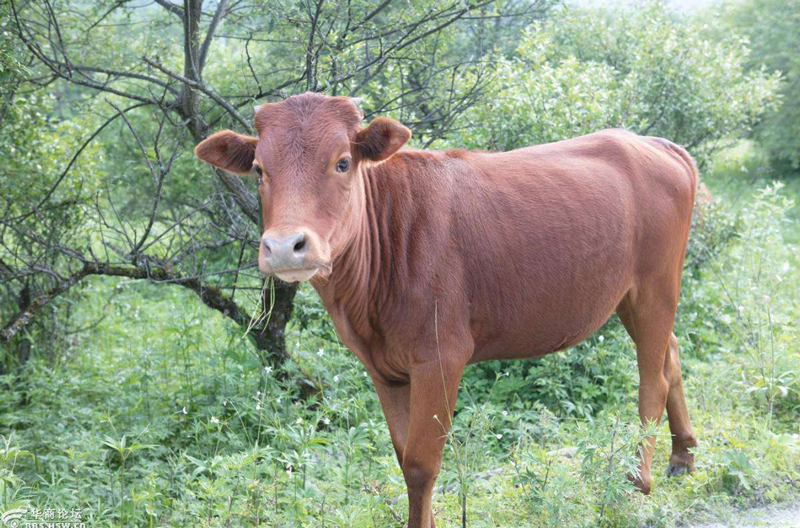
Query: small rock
[(566, 452)]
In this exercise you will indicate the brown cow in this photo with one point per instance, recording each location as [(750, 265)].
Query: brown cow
[(427, 261)]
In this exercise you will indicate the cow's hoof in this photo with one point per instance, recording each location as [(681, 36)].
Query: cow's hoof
[(643, 487), (680, 464), (676, 471)]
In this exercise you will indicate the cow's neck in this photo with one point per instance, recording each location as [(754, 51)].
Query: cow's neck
[(356, 283)]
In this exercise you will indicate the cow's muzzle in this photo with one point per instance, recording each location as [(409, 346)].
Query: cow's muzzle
[(292, 258)]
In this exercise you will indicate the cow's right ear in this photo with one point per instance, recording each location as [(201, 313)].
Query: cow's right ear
[(382, 138), (229, 151)]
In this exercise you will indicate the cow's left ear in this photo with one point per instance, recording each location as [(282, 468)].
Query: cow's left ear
[(382, 138), (229, 151)]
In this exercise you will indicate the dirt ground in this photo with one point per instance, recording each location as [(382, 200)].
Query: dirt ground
[(778, 516)]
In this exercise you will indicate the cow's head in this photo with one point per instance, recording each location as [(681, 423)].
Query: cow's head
[(308, 156)]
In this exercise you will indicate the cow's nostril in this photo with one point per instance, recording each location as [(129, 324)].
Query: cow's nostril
[(285, 252)]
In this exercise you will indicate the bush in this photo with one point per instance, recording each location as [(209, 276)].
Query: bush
[(647, 71), (597, 373), (770, 29), (759, 311)]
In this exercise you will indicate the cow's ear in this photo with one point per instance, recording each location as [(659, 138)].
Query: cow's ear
[(382, 138), (229, 151)]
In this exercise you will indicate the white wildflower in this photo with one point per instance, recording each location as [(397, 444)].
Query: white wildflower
[(214, 420)]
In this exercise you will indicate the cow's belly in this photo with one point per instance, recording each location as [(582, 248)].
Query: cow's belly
[(543, 329), (559, 297)]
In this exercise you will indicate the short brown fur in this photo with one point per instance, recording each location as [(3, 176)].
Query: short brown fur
[(427, 261)]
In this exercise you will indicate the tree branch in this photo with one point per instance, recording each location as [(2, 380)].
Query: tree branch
[(75, 157), (172, 8), (211, 296), (206, 90), (218, 15)]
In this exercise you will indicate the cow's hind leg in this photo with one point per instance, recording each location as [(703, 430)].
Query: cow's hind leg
[(648, 314), (683, 438)]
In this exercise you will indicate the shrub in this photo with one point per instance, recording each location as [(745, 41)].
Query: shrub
[(758, 309), (770, 29), (648, 71), (598, 372)]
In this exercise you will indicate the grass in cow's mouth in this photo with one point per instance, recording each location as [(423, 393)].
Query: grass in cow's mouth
[(261, 313)]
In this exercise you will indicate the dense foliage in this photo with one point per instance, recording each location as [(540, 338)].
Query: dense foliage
[(142, 403), (649, 71), (769, 27)]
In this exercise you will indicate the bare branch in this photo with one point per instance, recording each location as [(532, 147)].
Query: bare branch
[(172, 8), (218, 15), (206, 90), (211, 296), (75, 157)]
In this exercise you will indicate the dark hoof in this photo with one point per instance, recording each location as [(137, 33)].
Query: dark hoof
[(680, 464), (676, 471), (641, 486)]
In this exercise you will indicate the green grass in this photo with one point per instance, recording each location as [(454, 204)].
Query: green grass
[(161, 415)]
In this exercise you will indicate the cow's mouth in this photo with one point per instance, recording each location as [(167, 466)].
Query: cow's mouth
[(296, 275), (322, 271)]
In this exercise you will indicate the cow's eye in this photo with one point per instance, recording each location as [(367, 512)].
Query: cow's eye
[(343, 165), (259, 171)]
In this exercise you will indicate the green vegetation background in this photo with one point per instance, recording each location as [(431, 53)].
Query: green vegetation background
[(149, 409)]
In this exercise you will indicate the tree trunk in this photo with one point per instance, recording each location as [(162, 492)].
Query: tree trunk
[(190, 107), (24, 345), (270, 338)]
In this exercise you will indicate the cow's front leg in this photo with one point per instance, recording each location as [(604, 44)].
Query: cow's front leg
[(434, 386), (395, 401)]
